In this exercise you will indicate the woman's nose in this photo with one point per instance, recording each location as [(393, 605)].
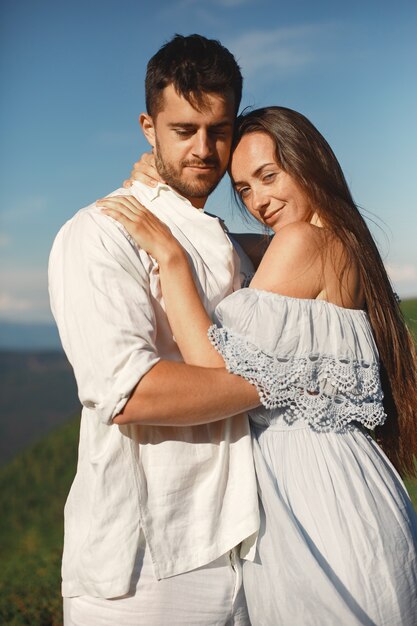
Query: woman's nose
[(260, 201)]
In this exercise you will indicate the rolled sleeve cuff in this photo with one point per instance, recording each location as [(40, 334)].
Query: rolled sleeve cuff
[(120, 392)]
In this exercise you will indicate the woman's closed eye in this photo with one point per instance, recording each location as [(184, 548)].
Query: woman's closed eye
[(243, 192), (269, 177)]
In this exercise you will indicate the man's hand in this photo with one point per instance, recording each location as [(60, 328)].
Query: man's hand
[(144, 171)]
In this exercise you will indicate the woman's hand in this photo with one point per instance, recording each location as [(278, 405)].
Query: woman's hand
[(147, 230), (144, 171)]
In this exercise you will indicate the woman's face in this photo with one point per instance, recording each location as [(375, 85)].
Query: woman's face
[(269, 193)]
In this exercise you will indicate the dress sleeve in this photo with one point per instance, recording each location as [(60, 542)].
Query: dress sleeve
[(306, 357), (268, 373), (100, 298)]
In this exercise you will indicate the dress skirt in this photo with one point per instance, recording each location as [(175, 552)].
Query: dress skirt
[(338, 535)]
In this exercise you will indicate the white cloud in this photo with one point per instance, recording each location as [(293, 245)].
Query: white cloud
[(402, 273), (28, 206), (280, 49), (24, 295), (10, 305), (404, 278)]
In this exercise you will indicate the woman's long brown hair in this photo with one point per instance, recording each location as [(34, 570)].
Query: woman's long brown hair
[(306, 156)]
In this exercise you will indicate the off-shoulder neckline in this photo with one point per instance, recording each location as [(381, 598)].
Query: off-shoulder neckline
[(280, 296)]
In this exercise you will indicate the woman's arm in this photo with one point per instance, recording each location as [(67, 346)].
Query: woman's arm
[(178, 394), (186, 314)]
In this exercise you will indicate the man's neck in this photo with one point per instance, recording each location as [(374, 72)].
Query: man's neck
[(198, 203)]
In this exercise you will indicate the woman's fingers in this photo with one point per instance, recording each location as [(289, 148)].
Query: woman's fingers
[(127, 205), (149, 232), (144, 171), (146, 179), (121, 218), (146, 165), (132, 214)]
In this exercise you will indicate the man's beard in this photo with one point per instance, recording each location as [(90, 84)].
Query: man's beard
[(199, 187)]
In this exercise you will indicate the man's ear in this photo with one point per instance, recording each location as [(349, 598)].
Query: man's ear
[(148, 128)]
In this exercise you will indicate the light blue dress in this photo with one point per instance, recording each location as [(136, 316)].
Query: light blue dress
[(338, 537)]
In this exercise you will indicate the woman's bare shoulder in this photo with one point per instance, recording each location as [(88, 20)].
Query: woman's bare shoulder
[(297, 235), (292, 264), (299, 244)]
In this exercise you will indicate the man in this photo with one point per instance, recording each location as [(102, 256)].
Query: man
[(157, 506)]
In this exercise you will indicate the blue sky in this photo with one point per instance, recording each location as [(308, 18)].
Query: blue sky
[(72, 88)]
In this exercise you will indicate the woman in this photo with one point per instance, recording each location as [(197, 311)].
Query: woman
[(338, 538)]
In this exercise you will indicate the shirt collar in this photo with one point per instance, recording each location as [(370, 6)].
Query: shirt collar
[(155, 192)]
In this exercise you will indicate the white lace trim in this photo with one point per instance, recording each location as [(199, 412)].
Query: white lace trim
[(327, 391)]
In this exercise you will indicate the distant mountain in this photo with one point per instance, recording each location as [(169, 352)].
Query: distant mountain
[(14, 336), (37, 394), (37, 386)]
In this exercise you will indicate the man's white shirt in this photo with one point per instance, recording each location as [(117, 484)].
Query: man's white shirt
[(191, 490)]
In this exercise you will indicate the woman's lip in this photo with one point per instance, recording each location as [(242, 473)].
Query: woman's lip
[(273, 214)]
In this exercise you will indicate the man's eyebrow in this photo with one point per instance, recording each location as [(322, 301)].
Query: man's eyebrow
[(221, 124), (257, 172), (189, 126), (181, 125)]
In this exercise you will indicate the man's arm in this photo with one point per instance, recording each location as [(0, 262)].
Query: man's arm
[(176, 394), (100, 297)]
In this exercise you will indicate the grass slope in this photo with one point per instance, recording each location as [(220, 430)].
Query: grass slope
[(33, 489), (409, 309)]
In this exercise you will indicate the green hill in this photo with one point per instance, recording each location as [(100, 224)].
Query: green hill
[(33, 489), (409, 309)]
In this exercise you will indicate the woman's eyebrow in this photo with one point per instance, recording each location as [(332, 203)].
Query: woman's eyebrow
[(255, 173)]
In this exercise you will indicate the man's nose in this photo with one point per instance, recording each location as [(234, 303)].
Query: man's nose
[(203, 145)]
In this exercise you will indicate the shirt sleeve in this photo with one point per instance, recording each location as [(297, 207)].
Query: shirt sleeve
[(100, 297)]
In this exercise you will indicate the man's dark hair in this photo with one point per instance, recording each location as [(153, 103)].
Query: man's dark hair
[(195, 66)]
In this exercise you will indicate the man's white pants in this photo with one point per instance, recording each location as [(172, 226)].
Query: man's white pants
[(209, 596)]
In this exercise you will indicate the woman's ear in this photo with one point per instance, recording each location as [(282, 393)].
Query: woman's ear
[(148, 128)]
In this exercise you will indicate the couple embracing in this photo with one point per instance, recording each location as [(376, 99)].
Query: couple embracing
[(227, 473)]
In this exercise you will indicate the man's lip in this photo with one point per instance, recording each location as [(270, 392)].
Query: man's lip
[(201, 167)]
